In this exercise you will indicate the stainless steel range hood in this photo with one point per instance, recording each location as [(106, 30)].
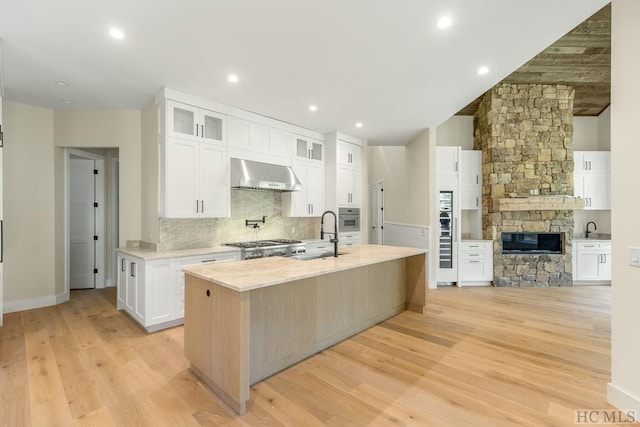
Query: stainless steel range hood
[(250, 175)]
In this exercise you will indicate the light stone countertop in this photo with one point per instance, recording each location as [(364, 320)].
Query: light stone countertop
[(149, 255), (258, 273)]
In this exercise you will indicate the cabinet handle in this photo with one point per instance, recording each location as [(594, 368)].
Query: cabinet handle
[(197, 206), (477, 179), (202, 206), (133, 269), (202, 133), (589, 164), (208, 293), (456, 166), (311, 207), (197, 129), (122, 264), (476, 202), (474, 246), (474, 262), (474, 254), (209, 260), (453, 230)]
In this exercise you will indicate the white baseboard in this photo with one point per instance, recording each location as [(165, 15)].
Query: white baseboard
[(621, 399), (31, 303)]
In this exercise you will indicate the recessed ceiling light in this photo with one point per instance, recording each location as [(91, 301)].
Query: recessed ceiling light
[(66, 101), (444, 22), (313, 108), (358, 125), (483, 70), (61, 83), (233, 78), (116, 33)]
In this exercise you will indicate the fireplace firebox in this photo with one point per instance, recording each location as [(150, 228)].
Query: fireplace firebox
[(532, 243)]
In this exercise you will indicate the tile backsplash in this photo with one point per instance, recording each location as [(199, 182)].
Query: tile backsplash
[(252, 205)]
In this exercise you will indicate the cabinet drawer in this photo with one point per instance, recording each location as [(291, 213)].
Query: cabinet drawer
[(593, 246), (475, 255), (476, 246), (203, 259)]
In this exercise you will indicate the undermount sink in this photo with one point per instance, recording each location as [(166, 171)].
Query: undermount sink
[(308, 257)]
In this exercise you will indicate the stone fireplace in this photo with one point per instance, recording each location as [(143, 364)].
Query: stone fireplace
[(525, 133)]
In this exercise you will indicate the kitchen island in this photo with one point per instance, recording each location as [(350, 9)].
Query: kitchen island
[(247, 320)]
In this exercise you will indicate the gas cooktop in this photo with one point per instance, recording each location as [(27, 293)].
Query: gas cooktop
[(263, 243)]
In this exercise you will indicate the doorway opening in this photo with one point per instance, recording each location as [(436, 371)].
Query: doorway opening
[(92, 217)]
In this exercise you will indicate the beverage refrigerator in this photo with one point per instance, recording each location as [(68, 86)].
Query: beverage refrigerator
[(448, 229)]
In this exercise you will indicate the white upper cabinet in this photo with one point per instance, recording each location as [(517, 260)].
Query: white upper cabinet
[(470, 179), (447, 160), (197, 124), (349, 154), (194, 180), (592, 179), (308, 165), (308, 202), (349, 186), (245, 135), (308, 149), (592, 161)]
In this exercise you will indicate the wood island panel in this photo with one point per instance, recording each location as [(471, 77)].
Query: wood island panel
[(216, 339), (236, 338), (292, 321)]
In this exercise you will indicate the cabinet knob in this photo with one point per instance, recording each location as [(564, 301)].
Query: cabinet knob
[(208, 293)]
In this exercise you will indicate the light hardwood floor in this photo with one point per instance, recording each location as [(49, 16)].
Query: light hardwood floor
[(479, 356)]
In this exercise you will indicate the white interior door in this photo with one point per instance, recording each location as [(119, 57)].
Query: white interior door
[(82, 224)]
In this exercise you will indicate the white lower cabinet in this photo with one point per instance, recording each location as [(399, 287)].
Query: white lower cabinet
[(348, 239), (475, 266), (179, 273), (592, 261), (152, 291)]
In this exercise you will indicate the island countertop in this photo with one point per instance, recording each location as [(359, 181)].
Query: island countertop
[(258, 273), (149, 255)]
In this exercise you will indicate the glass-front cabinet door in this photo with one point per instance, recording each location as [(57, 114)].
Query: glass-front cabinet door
[(189, 122), (212, 126), (307, 148)]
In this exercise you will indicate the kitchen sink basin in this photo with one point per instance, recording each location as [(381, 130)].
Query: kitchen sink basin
[(308, 257)]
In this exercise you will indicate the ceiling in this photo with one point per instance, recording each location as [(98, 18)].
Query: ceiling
[(581, 58), (383, 64)]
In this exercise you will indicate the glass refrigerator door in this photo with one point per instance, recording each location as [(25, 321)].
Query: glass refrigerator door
[(446, 235)]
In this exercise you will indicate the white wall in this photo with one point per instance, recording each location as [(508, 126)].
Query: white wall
[(390, 165), (35, 187), (408, 185), (457, 131), (624, 390), (29, 215), (110, 128), (149, 166), (604, 130)]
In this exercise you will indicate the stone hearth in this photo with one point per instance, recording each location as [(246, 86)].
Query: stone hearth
[(525, 133)]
